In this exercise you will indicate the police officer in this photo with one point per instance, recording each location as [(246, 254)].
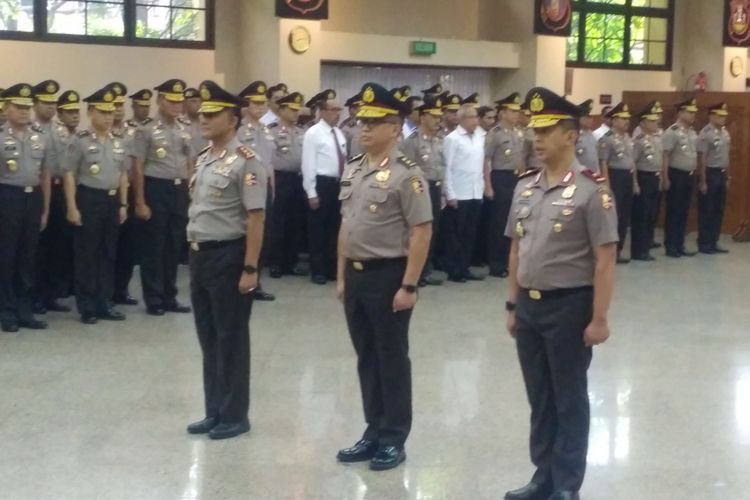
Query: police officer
[(351, 129), (618, 165), (425, 148), (714, 144), (54, 275), (451, 105), (503, 162), (648, 158), (274, 94), (287, 219), (587, 150), (191, 120), (352, 106), (226, 231), (677, 177), (45, 104), (163, 159), (529, 154), (383, 244), (564, 231), (27, 156), (141, 107), (96, 192)]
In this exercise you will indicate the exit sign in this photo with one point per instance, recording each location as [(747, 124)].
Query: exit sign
[(422, 48)]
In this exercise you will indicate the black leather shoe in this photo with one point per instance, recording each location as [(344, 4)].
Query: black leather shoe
[(362, 451), (655, 245), (457, 279), (718, 249), (39, 308), (685, 253), (32, 324), (503, 273), (675, 254), (55, 306), (226, 431), (9, 326), (707, 250), (565, 495), (319, 279), (155, 311), (127, 300), (430, 280), (177, 308), (275, 272), (111, 315), (89, 319), (387, 457), (202, 427), (644, 258), (531, 491), (296, 271), (474, 277), (263, 296)]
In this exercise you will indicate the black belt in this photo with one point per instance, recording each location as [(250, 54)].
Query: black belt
[(88, 189), (553, 294), (287, 173), (327, 178), (716, 170), (25, 189), (374, 264), (679, 170), (201, 246), (505, 171), (649, 172), (173, 182)]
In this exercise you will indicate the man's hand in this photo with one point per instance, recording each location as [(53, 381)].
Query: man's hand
[(510, 323), (452, 203), (248, 283), (142, 211), (665, 184), (703, 187), (74, 217), (636, 190), (596, 333), (340, 289), (314, 203), (43, 224), (404, 300), (489, 193), (123, 215)]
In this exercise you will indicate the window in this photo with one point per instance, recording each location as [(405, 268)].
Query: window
[(171, 23), (626, 34)]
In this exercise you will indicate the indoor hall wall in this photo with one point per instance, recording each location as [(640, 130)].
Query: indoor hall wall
[(591, 83)]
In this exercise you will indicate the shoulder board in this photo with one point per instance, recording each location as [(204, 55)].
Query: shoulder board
[(609, 133), (529, 173), (184, 121), (83, 133), (273, 125), (406, 162), (36, 128), (204, 150), (674, 127), (245, 152), (594, 176), (356, 158), (131, 123), (118, 133), (413, 134)]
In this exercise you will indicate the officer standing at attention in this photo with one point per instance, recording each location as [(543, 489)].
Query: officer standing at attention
[(45, 104), (503, 162), (564, 231), (162, 162), (383, 244), (141, 106), (226, 233), (425, 148), (286, 159), (192, 103), (451, 105), (714, 145), (648, 160), (587, 149), (351, 129), (274, 94), (677, 177), (96, 191), (27, 156), (618, 165)]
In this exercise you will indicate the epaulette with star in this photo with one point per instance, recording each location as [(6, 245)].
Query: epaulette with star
[(674, 127), (273, 125), (245, 152), (529, 173), (203, 151), (594, 176), (147, 121), (406, 162), (183, 120), (609, 133), (83, 133), (37, 128), (356, 158)]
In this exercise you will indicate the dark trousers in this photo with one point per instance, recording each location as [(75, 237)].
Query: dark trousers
[(645, 211), (20, 220), (161, 240), (711, 208), (95, 247), (381, 340), (436, 198), (222, 320), (286, 221), (461, 224), (680, 192), (503, 184), (621, 182), (554, 361), (324, 228), (54, 276), (127, 254)]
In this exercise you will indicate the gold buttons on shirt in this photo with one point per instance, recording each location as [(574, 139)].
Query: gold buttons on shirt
[(94, 169), (12, 165), (373, 208), (508, 152), (568, 192), (383, 176), (161, 153), (557, 227)]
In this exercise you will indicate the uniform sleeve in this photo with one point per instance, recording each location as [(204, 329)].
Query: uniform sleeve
[(668, 142), (409, 148), (490, 145), (71, 158), (510, 226), (604, 147), (415, 198), (50, 153), (637, 149), (601, 218), (702, 144), (254, 185), (140, 143)]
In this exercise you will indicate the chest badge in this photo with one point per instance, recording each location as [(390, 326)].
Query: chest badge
[(508, 152), (520, 231), (383, 176), (557, 227), (161, 153), (527, 193), (94, 169), (606, 201), (373, 208), (568, 192), (12, 165)]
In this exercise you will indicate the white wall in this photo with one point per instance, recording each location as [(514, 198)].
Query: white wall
[(590, 83)]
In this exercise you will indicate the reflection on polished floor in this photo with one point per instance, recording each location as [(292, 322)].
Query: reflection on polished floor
[(99, 412)]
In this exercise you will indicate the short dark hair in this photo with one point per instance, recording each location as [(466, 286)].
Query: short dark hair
[(570, 125), (483, 110), (411, 100)]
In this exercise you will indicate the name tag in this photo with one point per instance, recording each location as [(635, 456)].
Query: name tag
[(563, 203)]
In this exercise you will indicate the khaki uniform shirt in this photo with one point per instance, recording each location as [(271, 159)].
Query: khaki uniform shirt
[(224, 188), (587, 150), (25, 156), (197, 142), (96, 162), (617, 150), (259, 139), (379, 206), (427, 153), (716, 144), (648, 153), (165, 149), (680, 144), (558, 227), (504, 148), (61, 137), (287, 148)]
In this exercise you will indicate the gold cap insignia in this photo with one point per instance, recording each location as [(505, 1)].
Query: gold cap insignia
[(298, 99), (368, 95), (407, 92), (439, 88), (455, 100), (517, 100), (108, 97), (51, 88), (205, 94), (397, 95), (331, 95), (147, 95), (536, 104), (72, 97), (724, 106), (177, 87), (117, 89), (693, 102), (261, 89), (25, 92), (625, 108), (439, 103)]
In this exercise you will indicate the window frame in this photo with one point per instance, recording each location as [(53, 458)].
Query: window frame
[(585, 7), (40, 33)]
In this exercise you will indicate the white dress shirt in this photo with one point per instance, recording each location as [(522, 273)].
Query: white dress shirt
[(319, 156), (408, 128), (464, 164), (601, 131), (269, 118)]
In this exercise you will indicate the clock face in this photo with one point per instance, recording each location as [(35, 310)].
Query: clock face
[(736, 66), (299, 39)]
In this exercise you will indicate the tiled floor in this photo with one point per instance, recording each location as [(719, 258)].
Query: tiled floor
[(99, 412)]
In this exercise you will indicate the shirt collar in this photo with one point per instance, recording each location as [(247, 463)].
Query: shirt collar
[(540, 180)]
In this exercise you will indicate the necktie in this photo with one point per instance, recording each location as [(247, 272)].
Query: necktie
[(338, 151)]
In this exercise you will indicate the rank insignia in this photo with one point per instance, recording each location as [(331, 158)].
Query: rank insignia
[(416, 185), (383, 176), (527, 193), (607, 201), (568, 192), (557, 227), (94, 169), (520, 231), (251, 180)]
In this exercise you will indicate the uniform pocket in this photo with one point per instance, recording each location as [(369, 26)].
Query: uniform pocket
[(345, 194), (219, 182)]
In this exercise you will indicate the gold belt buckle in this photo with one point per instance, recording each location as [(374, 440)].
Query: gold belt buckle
[(358, 266), (28, 189), (195, 246), (535, 295), (112, 192), (177, 182)]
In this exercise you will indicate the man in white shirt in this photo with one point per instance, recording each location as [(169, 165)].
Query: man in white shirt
[(464, 187), (606, 124), (274, 94), (323, 160)]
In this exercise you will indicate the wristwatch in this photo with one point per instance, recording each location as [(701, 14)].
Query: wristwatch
[(249, 269), (409, 288), (510, 306)]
